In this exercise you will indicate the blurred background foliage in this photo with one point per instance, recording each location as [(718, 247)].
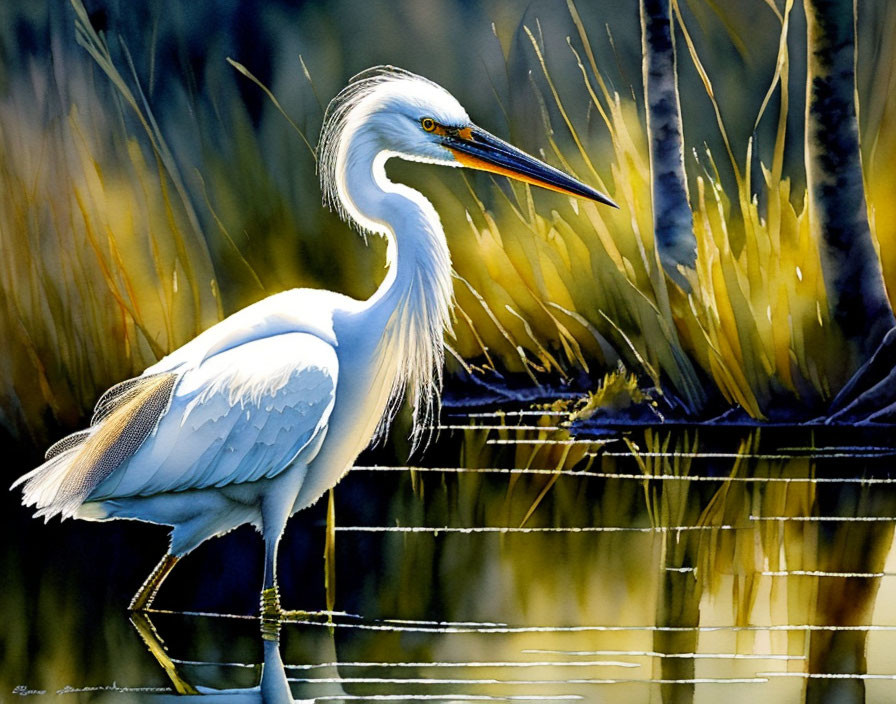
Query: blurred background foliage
[(148, 188)]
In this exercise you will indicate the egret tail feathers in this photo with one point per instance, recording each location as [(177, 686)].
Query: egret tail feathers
[(77, 464)]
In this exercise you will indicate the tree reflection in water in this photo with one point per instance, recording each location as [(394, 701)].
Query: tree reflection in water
[(520, 563)]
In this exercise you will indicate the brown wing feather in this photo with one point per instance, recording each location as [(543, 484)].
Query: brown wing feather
[(124, 418), (69, 442)]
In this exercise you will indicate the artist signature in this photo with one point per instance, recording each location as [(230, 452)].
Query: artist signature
[(23, 691)]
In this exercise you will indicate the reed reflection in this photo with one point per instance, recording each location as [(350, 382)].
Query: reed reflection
[(521, 562)]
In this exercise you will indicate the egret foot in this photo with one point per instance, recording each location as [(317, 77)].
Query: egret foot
[(270, 602), (143, 598), (271, 615)]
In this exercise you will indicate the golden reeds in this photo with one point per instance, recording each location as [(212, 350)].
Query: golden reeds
[(106, 267)]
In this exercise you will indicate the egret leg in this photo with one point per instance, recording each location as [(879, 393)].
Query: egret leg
[(143, 598), (270, 593), (149, 636), (274, 514)]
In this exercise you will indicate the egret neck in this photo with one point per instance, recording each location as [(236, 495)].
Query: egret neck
[(413, 302)]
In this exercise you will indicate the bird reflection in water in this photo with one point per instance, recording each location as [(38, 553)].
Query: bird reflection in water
[(273, 687)]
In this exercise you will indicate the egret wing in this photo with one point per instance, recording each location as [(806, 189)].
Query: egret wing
[(240, 416)]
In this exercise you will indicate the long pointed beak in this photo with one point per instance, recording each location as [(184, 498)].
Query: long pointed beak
[(475, 148)]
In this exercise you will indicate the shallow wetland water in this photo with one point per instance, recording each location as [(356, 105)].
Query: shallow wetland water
[(513, 562)]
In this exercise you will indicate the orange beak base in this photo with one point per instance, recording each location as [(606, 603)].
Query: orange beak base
[(477, 149)]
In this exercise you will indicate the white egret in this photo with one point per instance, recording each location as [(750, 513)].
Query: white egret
[(259, 415)]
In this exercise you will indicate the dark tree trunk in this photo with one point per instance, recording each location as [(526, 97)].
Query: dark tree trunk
[(852, 273), (673, 222)]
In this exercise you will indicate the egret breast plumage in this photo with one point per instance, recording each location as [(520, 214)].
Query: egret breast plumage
[(261, 414)]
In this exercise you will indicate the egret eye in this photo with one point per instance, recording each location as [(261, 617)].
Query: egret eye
[(428, 124)]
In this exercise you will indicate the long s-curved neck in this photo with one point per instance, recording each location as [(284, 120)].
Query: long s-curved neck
[(417, 254), (414, 299)]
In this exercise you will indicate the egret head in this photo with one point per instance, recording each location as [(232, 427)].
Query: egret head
[(392, 112)]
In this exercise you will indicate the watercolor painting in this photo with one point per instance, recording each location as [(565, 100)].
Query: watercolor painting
[(448, 351)]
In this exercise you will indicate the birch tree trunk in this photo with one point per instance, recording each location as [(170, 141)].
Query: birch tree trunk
[(672, 218), (852, 273)]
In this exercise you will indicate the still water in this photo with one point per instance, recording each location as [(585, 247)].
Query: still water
[(514, 562)]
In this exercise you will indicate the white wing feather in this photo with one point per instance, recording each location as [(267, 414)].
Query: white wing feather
[(244, 414)]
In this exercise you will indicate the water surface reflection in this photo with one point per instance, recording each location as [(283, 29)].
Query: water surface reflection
[(520, 563)]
